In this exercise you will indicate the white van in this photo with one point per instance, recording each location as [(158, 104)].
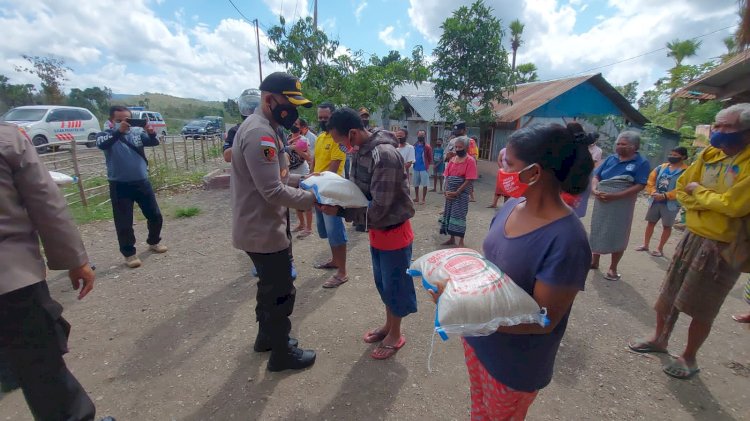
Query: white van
[(154, 118), (49, 124)]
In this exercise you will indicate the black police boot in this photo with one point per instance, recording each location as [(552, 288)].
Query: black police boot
[(263, 343), (291, 359)]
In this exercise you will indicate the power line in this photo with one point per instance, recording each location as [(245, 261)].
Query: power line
[(240, 12)]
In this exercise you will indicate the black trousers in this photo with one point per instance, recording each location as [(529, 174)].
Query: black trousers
[(33, 339), (123, 195), (275, 297)]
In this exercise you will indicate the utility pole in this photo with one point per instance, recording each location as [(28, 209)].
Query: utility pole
[(257, 43), (315, 15)]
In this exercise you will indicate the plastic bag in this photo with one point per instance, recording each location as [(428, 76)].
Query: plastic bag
[(334, 190), (478, 297), (61, 179)]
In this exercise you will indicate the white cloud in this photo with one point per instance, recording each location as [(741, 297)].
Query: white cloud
[(386, 35), (290, 9), (195, 61), (554, 42), (359, 9)]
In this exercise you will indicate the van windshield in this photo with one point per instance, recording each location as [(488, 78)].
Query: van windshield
[(24, 114)]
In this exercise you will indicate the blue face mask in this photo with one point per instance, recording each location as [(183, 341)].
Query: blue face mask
[(719, 139)]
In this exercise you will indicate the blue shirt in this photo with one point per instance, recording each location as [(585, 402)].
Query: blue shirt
[(123, 163), (557, 254), (419, 158), (638, 168)]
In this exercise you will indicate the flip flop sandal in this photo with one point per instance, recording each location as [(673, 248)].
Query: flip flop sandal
[(327, 265), (304, 234), (741, 318), (657, 254), (680, 371), (335, 282), (374, 336), (298, 229), (383, 352), (641, 248), (611, 277), (645, 347)]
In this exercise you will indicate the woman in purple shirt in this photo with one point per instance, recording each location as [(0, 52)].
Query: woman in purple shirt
[(540, 243)]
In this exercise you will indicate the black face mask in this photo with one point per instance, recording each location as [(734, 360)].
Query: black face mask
[(294, 129), (401, 140), (366, 123), (461, 153), (285, 114), (323, 126), (674, 159), (420, 139)]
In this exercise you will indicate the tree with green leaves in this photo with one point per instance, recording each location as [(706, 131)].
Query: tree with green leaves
[(97, 100), (12, 95), (516, 29), (526, 73), (53, 74), (679, 50), (629, 91), (471, 70), (343, 78)]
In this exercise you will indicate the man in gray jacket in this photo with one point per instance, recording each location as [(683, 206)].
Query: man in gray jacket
[(33, 333), (378, 170), (262, 191)]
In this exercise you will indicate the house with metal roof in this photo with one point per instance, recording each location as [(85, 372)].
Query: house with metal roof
[(729, 82), (556, 101)]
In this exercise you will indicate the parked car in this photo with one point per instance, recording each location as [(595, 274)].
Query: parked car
[(218, 121), (154, 119), (50, 124), (200, 129)]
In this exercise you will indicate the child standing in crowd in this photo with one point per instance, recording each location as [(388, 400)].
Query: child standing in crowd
[(541, 244), (663, 204)]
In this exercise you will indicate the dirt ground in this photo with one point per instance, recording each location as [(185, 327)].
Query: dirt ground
[(173, 339)]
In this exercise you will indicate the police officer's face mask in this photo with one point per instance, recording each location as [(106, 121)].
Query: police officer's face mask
[(284, 114)]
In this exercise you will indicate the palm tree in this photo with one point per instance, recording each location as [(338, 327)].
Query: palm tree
[(527, 73), (679, 51), (516, 29)]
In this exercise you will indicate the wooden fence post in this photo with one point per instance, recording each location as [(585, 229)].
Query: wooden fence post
[(187, 157), (77, 172), (174, 154), (192, 140), (203, 153), (164, 150)]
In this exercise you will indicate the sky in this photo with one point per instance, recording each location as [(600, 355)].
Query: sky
[(207, 49)]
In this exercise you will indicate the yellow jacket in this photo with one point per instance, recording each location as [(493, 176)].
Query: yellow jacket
[(723, 197)]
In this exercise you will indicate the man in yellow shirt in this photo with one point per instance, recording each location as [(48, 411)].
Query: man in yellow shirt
[(715, 192), (330, 157)]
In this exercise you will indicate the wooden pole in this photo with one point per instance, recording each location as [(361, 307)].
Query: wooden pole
[(187, 157), (257, 44), (174, 155), (77, 172), (203, 152), (192, 140), (164, 150)]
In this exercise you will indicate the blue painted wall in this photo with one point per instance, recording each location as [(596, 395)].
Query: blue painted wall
[(580, 101)]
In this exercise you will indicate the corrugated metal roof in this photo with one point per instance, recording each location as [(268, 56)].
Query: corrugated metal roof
[(530, 96), (726, 80), (427, 107)]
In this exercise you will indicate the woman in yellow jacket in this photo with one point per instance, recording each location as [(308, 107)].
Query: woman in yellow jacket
[(715, 192)]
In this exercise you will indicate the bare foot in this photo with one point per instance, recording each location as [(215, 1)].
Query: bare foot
[(449, 243)]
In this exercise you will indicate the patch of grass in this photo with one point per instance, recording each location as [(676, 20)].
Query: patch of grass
[(98, 210), (186, 212)]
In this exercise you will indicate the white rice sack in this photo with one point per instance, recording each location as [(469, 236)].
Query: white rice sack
[(61, 179), (335, 190), (478, 297)]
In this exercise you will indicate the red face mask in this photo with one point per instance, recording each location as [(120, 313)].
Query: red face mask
[(510, 182)]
